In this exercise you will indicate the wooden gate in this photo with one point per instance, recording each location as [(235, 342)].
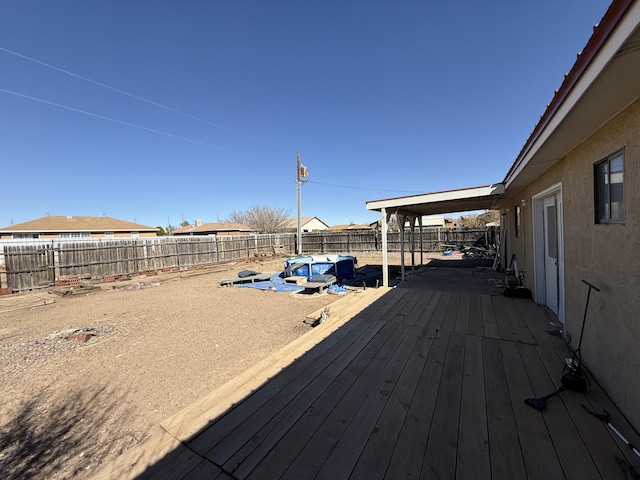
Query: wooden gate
[(29, 266)]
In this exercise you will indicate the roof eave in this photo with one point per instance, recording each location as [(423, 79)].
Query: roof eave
[(581, 76), (449, 201)]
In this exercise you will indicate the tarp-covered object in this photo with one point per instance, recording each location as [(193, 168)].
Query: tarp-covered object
[(343, 267)]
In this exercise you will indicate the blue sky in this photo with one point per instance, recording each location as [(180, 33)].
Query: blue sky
[(163, 110)]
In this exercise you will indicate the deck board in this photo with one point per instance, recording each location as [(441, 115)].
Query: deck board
[(376, 455), (440, 311), (442, 446), (473, 456), (449, 320), (206, 471), (505, 452), (541, 333), (489, 323), (429, 309), (462, 315), (409, 309), (476, 326), (503, 322), (406, 460)]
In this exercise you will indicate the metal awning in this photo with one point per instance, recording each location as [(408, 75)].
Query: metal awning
[(449, 201)]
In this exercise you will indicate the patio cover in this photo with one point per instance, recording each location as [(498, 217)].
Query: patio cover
[(413, 207)]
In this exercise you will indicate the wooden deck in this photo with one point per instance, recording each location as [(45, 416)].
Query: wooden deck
[(422, 383)]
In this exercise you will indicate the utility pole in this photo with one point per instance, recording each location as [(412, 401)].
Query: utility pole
[(301, 176)]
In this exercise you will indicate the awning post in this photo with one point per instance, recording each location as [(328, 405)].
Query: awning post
[(385, 259)]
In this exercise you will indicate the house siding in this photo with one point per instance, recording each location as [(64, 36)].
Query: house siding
[(605, 255)]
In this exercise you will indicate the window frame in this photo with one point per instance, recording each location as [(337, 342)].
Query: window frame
[(602, 206), (74, 235)]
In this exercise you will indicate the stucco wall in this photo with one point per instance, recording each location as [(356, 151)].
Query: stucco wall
[(606, 255)]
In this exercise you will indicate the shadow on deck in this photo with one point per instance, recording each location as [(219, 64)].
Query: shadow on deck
[(428, 381)]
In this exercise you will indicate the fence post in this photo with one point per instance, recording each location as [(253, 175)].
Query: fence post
[(177, 253), (53, 263)]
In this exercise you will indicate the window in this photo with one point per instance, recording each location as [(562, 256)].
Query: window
[(75, 235), (109, 235), (135, 234), (22, 236), (609, 189)]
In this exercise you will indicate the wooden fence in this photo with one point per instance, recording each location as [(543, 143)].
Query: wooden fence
[(41, 263), (434, 239)]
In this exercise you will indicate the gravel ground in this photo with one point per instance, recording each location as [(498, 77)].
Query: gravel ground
[(158, 343)]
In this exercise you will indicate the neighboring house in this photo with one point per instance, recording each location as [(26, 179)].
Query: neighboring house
[(450, 223), (308, 224), (53, 226), (214, 229), (570, 205), (432, 221), (350, 226)]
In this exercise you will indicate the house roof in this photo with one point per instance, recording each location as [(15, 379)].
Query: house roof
[(54, 224), (351, 226), (601, 83), (212, 228)]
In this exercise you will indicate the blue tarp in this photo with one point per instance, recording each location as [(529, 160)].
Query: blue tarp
[(336, 289), (276, 284)]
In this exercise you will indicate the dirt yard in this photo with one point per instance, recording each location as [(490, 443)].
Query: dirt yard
[(160, 342)]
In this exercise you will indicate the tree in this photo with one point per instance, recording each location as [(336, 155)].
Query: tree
[(170, 228), (238, 217), (161, 232), (473, 220), (469, 221), (490, 216), (262, 218)]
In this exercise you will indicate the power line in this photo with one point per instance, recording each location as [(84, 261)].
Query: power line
[(137, 97), (122, 122), (363, 188)]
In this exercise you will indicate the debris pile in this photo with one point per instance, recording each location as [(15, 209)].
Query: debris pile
[(57, 343)]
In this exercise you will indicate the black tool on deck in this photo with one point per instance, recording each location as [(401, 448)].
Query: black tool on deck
[(572, 378), (539, 403)]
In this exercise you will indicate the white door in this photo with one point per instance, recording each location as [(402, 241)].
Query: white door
[(551, 252)]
